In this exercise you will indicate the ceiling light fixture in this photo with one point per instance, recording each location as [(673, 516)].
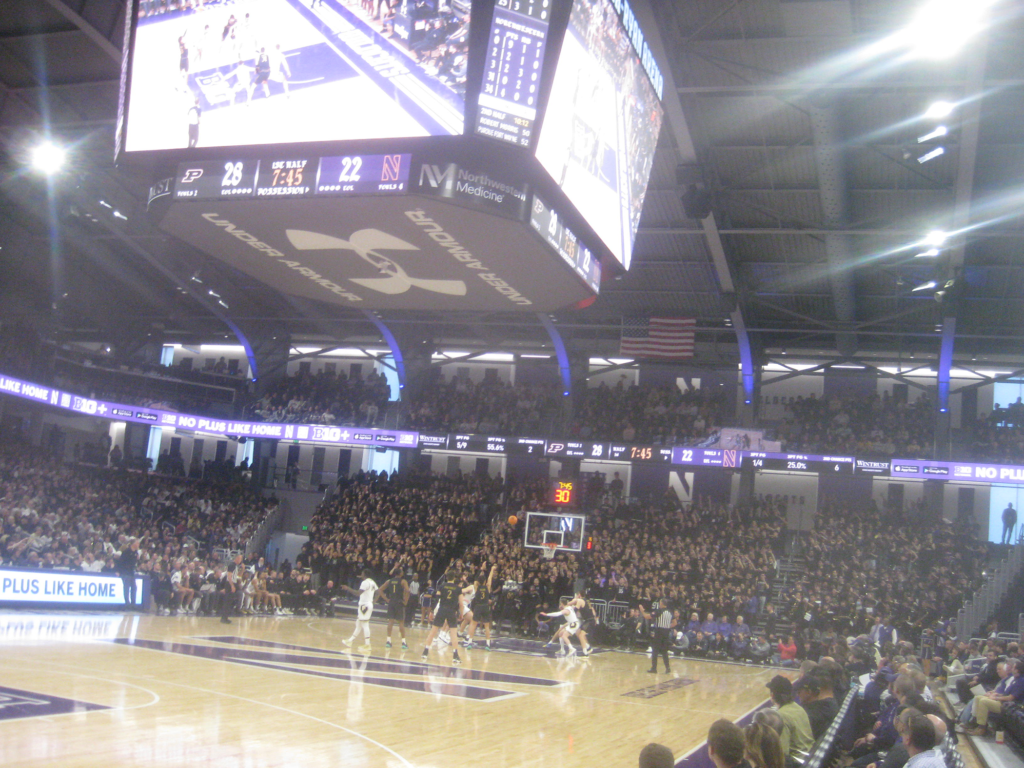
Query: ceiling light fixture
[(937, 152), (939, 110), (48, 158), (924, 286), (942, 27), (936, 237), (937, 133)]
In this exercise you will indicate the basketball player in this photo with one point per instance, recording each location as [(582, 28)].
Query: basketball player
[(426, 615), (195, 112), (262, 74), (396, 592), (445, 616), (243, 77), (481, 613), (279, 71), (567, 630), (466, 604), (587, 618), (367, 591), (183, 62)]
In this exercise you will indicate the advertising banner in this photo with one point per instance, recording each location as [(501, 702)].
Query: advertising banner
[(28, 585)]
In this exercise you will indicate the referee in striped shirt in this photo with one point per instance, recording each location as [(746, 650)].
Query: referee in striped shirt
[(661, 628)]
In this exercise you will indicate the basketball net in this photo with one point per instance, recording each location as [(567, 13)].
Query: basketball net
[(549, 551)]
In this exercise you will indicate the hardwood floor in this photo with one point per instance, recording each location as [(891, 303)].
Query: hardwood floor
[(106, 691)]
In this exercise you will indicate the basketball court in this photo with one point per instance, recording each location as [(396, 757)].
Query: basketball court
[(111, 690)]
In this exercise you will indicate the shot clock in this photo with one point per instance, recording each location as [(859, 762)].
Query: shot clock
[(563, 493)]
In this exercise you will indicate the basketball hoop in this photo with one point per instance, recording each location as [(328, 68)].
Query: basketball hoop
[(548, 551)]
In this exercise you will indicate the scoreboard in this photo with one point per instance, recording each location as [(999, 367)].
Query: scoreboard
[(333, 176), (556, 234), (512, 71), (542, 112)]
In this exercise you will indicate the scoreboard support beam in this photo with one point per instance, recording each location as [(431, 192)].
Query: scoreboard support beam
[(564, 369), (392, 343)]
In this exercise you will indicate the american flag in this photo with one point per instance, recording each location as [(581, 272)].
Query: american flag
[(666, 338)]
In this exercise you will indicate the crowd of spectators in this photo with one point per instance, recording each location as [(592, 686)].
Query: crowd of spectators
[(324, 397), (999, 438), (380, 521), (862, 426), (868, 566), (662, 415), (80, 518), (488, 407)]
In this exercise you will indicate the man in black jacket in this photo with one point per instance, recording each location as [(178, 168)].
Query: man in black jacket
[(988, 678), (126, 564)]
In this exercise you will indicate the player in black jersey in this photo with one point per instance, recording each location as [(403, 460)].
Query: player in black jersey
[(262, 74), (183, 61), (481, 613), (396, 592), (446, 615)]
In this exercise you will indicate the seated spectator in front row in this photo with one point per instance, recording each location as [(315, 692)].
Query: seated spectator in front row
[(761, 746), (786, 654), (988, 678), (920, 740), (771, 718), (796, 736), (993, 702), (759, 650), (656, 756), (725, 745), (966, 718), (815, 692)]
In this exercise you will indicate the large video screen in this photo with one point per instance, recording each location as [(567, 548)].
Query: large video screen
[(601, 124), (254, 72)]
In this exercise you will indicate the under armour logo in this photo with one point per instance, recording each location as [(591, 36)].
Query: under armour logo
[(191, 175), (366, 243)]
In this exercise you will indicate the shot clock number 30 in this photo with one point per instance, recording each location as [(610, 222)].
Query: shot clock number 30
[(563, 492)]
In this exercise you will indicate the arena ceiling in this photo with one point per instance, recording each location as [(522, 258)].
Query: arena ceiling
[(798, 122)]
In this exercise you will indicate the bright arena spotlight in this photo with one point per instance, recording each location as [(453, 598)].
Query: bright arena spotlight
[(941, 28), (47, 158)]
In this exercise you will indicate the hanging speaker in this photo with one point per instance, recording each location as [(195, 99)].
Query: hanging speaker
[(696, 202)]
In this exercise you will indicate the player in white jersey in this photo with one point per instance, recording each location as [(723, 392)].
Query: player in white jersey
[(585, 613), (367, 593), (279, 70), (466, 606), (567, 630)]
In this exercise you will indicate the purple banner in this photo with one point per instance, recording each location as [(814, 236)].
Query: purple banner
[(726, 458), (706, 457), (956, 470), (120, 412)]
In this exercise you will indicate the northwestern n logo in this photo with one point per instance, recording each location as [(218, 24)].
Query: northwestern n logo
[(366, 243)]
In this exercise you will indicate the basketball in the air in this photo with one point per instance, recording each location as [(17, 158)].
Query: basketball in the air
[(512, 520)]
